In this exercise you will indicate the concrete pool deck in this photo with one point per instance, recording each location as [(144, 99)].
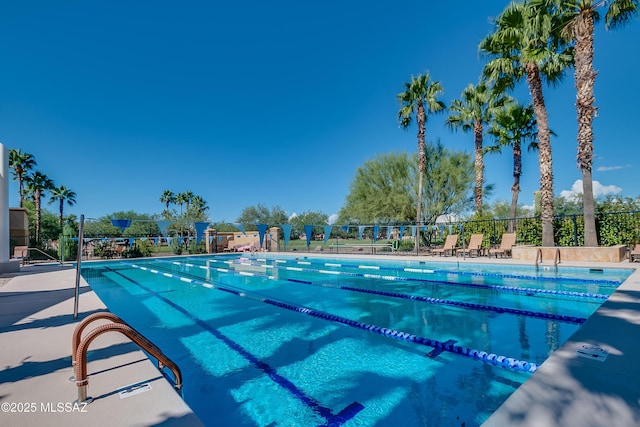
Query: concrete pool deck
[(36, 325)]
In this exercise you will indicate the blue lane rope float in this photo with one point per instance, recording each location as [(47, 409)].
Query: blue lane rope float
[(333, 420), (430, 300), (516, 289), (498, 360), (458, 272)]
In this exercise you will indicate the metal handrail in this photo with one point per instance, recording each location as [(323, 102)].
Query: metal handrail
[(538, 256), (117, 325), (43, 253), (556, 259)]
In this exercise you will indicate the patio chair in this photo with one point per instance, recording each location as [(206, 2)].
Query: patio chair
[(507, 243), (474, 246), (634, 255), (21, 253), (449, 246)]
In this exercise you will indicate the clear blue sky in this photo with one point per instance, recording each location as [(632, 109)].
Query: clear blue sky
[(267, 102)]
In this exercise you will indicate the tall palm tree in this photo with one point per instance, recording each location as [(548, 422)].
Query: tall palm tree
[(524, 45), (582, 16), (188, 198), (37, 184), (62, 194), (199, 204), (419, 98), (167, 198), (471, 112), (180, 200), (21, 163), (513, 125)]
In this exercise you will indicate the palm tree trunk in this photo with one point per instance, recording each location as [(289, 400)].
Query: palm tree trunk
[(38, 196), (60, 213), (585, 77), (19, 172), (544, 153), (515, 188), (421, 118), (479, 165)]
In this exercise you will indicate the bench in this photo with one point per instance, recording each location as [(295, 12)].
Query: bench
[(373, 246)]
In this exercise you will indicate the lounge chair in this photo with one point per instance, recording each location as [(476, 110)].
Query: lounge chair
[(449, 246), (21, 253), (634, 255), (507, 243), (474, 246)]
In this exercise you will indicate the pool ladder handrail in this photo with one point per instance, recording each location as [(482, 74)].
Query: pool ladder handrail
[(79, 348), (557, 259)]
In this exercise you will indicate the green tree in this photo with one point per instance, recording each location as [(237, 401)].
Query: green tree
[(582, 16), (37, 185), (471, 112), (514, 125), (317, 219), (180, 200), (260, 214), (22, 164), (49, 228), (419, 98), (383, 190), (62, 194), (167, 198), (525, 44)]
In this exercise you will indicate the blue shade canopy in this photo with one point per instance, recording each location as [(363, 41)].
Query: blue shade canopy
[(262, 229), (200, 227), (389, 231), (413, 231), (327, 232), (376, 230), (360, 231), (241, 228), (286, 233), (345, 228), (164, 227), (308, 231), (121, 223), (402, 227)]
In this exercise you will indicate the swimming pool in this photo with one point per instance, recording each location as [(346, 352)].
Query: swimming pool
[(311, 341)]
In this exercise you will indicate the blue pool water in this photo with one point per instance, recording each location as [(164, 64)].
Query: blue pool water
[(276, 340)]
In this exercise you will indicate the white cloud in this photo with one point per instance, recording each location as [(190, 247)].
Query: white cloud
[(598, 190), (332, 219), (293, 215), (610, 168)]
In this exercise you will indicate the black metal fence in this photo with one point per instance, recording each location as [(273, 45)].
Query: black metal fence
[(613, 228)]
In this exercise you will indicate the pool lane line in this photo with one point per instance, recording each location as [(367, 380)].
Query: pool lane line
[(505, 362), (516, 289), (462, 273), (430, 300), (338, 419)]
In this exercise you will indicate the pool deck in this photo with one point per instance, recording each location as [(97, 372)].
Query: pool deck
[(36, 325)]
